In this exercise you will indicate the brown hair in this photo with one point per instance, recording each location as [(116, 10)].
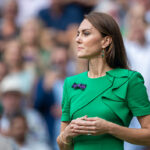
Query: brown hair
[(115, 53)]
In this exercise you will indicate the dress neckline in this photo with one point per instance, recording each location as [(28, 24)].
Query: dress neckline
[(101, 77)]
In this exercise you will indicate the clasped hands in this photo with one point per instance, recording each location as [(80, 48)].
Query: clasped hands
[(87, 126)]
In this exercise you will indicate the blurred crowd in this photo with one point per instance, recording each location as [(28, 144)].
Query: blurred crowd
[(38, 51)]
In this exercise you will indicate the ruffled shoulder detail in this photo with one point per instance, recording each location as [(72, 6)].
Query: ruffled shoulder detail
[(120, 79), (115, 97), (119, 72)]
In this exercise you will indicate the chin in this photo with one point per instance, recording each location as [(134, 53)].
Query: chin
[(82, 56)]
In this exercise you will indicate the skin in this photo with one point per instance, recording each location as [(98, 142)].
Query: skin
[(19, 129), (11, 102), (90, 43)]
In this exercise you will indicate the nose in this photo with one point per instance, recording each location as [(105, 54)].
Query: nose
[(78, 39)]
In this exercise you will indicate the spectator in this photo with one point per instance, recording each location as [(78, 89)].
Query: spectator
[(44, 100), (9, 27), (30, 38), (19, 130), (14, 62), (13, 101), (5, 142), (46, 46), (59, 16), (48, 93), (28, 9)]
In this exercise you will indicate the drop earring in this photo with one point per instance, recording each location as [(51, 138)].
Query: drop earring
[(103, 53)]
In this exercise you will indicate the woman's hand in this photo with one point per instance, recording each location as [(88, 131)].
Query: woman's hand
[(91, 126), (69, 130)]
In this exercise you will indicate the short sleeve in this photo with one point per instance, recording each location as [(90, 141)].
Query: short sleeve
[(65, 104), (137, 96)]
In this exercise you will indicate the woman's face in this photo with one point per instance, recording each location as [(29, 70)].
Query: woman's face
[(12, 54), (89, 40)]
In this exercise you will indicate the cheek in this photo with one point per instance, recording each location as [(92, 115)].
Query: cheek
[(93, 45)]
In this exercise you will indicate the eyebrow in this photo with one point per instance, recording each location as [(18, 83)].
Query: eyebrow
[(85, 30)]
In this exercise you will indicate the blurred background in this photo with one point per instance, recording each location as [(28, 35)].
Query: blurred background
[(38, 51)]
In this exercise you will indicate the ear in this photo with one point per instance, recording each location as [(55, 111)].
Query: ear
[(106, 41)]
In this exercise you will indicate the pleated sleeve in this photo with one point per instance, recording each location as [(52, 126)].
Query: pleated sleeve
[(65, 103), (137, 97)]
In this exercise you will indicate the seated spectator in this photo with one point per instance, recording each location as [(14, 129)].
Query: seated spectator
[(48, 91), (59, 16), (19, 130), (5, 142), (29, 35), (12, 99), (28, 9), (13, 58), (46, 46), (9, 27), (44, 100)]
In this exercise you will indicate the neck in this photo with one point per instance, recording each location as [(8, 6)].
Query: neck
[(97, 67)]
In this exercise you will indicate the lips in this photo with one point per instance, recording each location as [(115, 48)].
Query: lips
[(80, 48)]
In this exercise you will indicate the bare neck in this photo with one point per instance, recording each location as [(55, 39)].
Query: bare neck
[(97, 67)]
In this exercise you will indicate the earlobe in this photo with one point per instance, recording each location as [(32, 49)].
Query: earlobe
[(106, 41), (103, 43)]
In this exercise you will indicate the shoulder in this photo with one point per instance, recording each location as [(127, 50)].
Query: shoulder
[(135, 76), (124, 73), (132, 77)]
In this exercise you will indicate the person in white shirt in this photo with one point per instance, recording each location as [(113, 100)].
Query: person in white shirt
[(5, 142), (19, 129), (12, 101)]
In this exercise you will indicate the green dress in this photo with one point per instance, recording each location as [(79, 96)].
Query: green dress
[(115, 97)]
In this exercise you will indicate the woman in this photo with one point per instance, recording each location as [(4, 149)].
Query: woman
[(99, 104)]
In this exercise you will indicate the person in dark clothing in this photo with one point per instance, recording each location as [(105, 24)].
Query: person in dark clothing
[(59, 15), (43, 102)]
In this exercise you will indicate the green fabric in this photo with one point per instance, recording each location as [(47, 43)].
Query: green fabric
[(116, 97)]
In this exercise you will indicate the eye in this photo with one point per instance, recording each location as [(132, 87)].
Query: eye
[(77, 34), (86, 33)]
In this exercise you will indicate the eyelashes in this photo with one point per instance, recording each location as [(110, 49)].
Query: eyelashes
[(84, 33)]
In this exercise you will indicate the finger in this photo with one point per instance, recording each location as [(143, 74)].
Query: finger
[(92, 128), (85, 123), (84, 132), (92, 119), (83, 118), (76, 120)]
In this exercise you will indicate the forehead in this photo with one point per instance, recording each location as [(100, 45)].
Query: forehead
[(85, 24)]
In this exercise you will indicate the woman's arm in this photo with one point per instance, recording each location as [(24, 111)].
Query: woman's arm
[(64, 140), (61, 138), (134, 136), (98, 126)]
